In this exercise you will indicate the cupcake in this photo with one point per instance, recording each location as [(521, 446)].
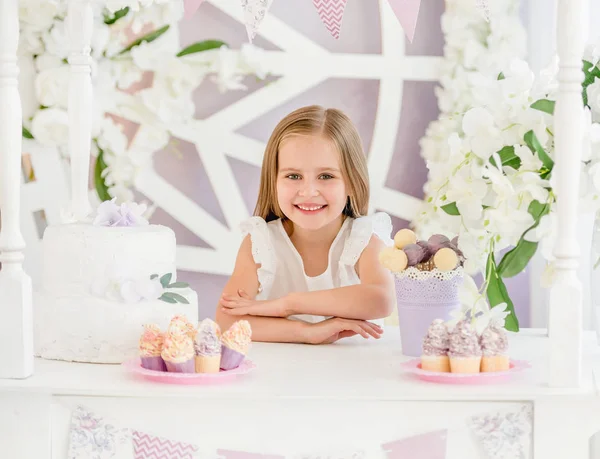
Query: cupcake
[(207, 347), (464, 349), (435, 348), (178, 353), (235, 344), (494, 346), (151, 344), (180, 324)]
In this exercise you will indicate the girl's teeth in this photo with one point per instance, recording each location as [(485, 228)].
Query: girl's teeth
[(310, 208)]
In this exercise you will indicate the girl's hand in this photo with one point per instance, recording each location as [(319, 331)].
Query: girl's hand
[(243, 304), (331, 330)]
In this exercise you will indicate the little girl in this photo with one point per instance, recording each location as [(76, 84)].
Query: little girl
[(310, 253)]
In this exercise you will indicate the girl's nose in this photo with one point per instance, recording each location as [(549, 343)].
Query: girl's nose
[(308, 189)]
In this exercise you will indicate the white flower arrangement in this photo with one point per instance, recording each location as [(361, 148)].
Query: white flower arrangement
[(490, 169), (118, 284), (123, 52)]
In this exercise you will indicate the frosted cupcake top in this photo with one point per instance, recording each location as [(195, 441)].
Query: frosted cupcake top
[(180, 324), (208, 339), (238, 337), (494, 340), (436, 342), (151, 341), (464, 341), (177, 348)]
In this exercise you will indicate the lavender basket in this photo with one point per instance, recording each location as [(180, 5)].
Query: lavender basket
[(423, 296)]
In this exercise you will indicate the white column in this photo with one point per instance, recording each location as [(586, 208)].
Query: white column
[(566, 294), (16, 324), (79, 26)]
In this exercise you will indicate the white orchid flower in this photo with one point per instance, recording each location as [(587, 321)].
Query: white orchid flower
[(481, 132), (495, 316)]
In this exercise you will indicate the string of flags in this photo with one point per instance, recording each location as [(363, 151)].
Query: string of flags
[(331, 13), (501, 434)]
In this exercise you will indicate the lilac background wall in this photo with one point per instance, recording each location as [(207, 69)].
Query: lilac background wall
[(358, 98)]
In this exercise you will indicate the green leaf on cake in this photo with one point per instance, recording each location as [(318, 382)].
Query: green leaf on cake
[(164, 280), (501, 76), (174, 297), (167, 299), (544, 105), (497, 294), (201, 46), (153, 276), (178, 285), (148, 38), (517, 259), (451, 209)]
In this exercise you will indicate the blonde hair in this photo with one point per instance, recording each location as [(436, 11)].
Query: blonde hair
[(333, 125)]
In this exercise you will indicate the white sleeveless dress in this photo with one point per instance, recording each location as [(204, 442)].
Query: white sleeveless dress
[(281, 268)]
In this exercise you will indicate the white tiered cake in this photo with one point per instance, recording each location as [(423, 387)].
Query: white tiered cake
[(100, 285)]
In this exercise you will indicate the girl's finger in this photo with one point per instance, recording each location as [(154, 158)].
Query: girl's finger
[(359, 330)]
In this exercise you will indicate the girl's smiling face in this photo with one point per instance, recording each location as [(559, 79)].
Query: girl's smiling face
[(311, 190)]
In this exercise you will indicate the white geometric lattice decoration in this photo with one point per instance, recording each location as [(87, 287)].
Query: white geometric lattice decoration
[(300, 65)]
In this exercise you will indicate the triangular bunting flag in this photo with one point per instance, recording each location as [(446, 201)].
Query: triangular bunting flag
[(147, 446), (90, 435), (228, 454), (407, 12), (484, 7), (504, 434), (190, 7), (254, 13), (331, 13), (430, 445)]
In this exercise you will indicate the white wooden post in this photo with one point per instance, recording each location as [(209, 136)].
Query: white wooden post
[(565, 313), (79, 26), (16, 322)]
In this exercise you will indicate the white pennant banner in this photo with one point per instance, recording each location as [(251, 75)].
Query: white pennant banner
[(254, 13)]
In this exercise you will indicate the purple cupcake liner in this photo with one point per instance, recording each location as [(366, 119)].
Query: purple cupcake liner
[(182, 367), (155, 363), (230, 359)]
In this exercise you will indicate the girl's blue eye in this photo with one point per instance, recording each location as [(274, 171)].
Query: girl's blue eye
[(326, 176), (293, 176)]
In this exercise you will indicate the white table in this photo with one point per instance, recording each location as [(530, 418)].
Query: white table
[(304, 398)]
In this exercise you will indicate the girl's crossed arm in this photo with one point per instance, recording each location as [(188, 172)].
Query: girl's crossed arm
[(244, 281), (373, 298)]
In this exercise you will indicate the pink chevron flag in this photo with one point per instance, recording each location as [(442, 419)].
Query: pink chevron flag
[(430, 445), (190, 7), (227, 454), (407, 12), (331, 13), (150, 447)]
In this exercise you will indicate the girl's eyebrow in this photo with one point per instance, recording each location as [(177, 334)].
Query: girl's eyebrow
[(320, 169)]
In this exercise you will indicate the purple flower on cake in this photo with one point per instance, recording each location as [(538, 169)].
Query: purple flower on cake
[(436, 342), (127, 214)]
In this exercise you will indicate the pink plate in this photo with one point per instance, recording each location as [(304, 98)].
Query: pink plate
[(135, 366), (414, 367)]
